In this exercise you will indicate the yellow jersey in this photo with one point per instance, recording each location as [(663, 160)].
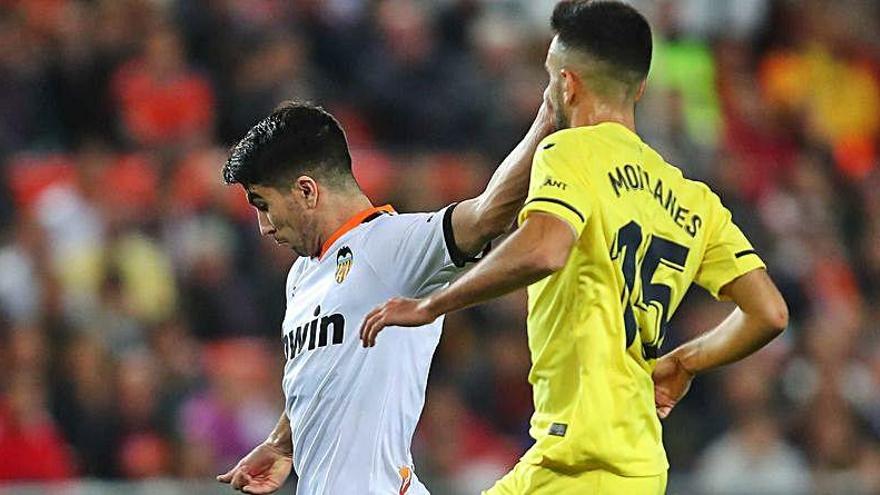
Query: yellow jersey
[(644, 233)]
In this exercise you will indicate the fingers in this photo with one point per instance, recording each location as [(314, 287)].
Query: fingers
[(258, 489), (241, 479), (663, 403), (397, 311), (367, 318), (227, 477), (372, 326)]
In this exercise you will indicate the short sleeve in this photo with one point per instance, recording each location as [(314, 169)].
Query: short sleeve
[(415, 253), (557, 186), (728, 253)]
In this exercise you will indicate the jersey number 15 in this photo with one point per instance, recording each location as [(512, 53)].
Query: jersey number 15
[(659, 250)]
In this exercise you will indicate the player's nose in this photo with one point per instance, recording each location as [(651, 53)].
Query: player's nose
[(266, 227)]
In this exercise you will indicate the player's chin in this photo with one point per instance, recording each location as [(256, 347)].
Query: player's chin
[(298, 250)]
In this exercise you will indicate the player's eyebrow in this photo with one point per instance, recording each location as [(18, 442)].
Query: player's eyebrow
[(252, 197)]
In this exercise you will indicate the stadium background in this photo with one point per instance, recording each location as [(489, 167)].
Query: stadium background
[(140, 310)]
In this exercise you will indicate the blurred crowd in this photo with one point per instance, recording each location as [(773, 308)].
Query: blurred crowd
[(140, 311)]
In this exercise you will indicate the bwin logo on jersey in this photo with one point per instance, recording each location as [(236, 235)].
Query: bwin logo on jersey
[(320, 332), (344, 260)]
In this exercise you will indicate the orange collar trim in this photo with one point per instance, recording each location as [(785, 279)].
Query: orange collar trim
[(351, 223)]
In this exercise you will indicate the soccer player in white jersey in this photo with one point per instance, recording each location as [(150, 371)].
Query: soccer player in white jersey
[(350, 412)]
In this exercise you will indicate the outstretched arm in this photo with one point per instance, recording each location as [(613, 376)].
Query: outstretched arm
[(478, 220), (537, 249), (760, 317)]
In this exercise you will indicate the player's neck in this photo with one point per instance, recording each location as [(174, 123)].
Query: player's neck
[(589, 115), (340, 208)]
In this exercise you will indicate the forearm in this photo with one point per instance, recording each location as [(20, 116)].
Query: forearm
[(281, 436), (539, 248), (738, 336), (478, 220), (499, 203), (488, 280), (761, 315)]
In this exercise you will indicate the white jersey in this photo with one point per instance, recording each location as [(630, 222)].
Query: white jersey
[(353, 410)]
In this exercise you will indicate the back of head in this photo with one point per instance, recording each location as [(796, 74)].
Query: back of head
[(295, 139), (608, 33)]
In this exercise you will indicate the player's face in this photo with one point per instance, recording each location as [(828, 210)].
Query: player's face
[(282, 217), (555, 87)]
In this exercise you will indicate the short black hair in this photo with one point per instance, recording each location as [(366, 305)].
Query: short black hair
[(611, 31), (295, 138)]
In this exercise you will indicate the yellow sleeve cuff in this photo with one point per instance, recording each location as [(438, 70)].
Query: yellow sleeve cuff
[(746, 261), (556, 207)]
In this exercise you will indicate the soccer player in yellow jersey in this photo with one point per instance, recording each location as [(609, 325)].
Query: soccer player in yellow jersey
[(609, 240)]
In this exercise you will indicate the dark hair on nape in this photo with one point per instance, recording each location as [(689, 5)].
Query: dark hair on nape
[(612, 32), (296, 138)]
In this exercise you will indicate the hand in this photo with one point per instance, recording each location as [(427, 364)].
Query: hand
[(671, 381), (264, 470), (399, 311), (545, 121)]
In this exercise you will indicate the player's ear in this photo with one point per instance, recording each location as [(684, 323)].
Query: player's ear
[(570, 86), (641, 90), (305, 189)]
